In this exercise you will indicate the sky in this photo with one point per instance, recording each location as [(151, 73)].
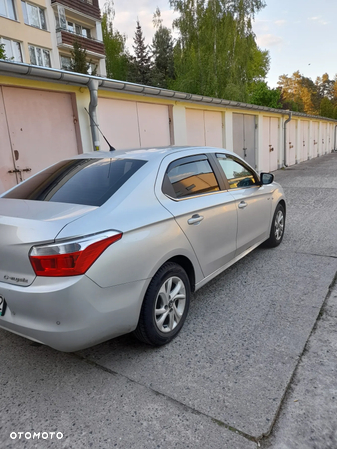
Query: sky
[(299, 34)]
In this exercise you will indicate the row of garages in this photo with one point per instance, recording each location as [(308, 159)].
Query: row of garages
[(42, 122), (150, 125)]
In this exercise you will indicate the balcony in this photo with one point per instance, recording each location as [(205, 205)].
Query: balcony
[(87, 7), (66, 39)]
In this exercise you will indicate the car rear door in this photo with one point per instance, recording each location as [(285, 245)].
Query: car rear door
[(190, 190), (253, 201)]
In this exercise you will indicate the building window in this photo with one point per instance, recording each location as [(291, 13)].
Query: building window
[(65, 62), (78, 29), (7, 9), (39, 56), (12, 49), (34, 16)]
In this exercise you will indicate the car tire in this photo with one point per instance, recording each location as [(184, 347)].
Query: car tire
[(165, 306), (277, 227)]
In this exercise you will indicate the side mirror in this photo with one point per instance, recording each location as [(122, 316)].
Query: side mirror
[(266, 178)]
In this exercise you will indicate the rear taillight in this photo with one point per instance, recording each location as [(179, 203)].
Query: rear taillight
[(71, 257)]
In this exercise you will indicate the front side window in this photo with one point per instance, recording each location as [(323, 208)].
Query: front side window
[(7, 9), (190, 176), (39, 56), (12, 49), (79, 181), (34, 16), (237, 174)]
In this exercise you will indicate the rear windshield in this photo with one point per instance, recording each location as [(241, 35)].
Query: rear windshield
[(80, 181)]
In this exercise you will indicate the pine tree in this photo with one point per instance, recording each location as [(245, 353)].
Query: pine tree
[(299, 94), (162, 53), (141, 70)]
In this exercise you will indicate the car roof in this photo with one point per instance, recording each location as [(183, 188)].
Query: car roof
[(149, 153)]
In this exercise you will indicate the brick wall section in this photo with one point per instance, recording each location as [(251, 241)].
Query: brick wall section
[(83, 7), (88, 44)]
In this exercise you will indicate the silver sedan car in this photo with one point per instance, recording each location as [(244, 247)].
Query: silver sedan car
[(108, 243)]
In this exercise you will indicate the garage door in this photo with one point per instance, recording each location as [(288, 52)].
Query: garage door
[(131, 124), (270, 150), (291, 142), (303, 151), (204, 128), (314, 138), (37, 128), (244, 138)]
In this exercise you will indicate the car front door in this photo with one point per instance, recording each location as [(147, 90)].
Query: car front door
[(253, 202), (206, 214)]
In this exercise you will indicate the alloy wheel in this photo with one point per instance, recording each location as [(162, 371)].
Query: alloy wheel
[(170, 304)]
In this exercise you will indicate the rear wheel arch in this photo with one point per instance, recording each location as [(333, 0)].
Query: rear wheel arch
[(187, 265), (165, 305)]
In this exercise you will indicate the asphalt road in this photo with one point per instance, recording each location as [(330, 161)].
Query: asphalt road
[(253, 366)]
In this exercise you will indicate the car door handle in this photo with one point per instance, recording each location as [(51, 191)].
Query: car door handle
[(195, 219), (242, 205)]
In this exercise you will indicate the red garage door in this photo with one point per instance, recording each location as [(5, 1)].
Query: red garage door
[(132, 124), (37, 128)]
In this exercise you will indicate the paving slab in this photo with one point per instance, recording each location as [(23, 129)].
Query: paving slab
[(308, 416), (237, 352), (46, 391)]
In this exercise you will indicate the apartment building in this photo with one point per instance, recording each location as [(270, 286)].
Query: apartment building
[(42, 33)]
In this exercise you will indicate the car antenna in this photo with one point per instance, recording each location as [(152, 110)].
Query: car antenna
[(110, 147)]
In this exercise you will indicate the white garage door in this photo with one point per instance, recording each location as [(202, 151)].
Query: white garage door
[(131, 124), (204, 128), (270, 149), (37, 128)]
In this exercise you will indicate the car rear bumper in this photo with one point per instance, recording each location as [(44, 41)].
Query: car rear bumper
[(71, 313)]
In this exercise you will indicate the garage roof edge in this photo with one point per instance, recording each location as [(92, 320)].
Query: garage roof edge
[(63, 76)]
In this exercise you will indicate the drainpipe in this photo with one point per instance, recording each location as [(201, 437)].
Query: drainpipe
[(334, 145), (285, 139), (93, 88)]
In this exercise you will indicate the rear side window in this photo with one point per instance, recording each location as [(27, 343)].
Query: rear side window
[(80, 181), (190, 176)]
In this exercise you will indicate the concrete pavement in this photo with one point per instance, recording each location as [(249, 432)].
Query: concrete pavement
[(229, 380)]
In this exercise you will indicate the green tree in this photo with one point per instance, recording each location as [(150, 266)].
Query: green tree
[(79, 62), (262, 95), (325, 86), (2, 51), (299, 93), (117, 57), (141, 63), (216, 53), (326, 108), (334, 115), (162, 53)]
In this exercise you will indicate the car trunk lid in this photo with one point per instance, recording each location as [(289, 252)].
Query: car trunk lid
[(25, 223)]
